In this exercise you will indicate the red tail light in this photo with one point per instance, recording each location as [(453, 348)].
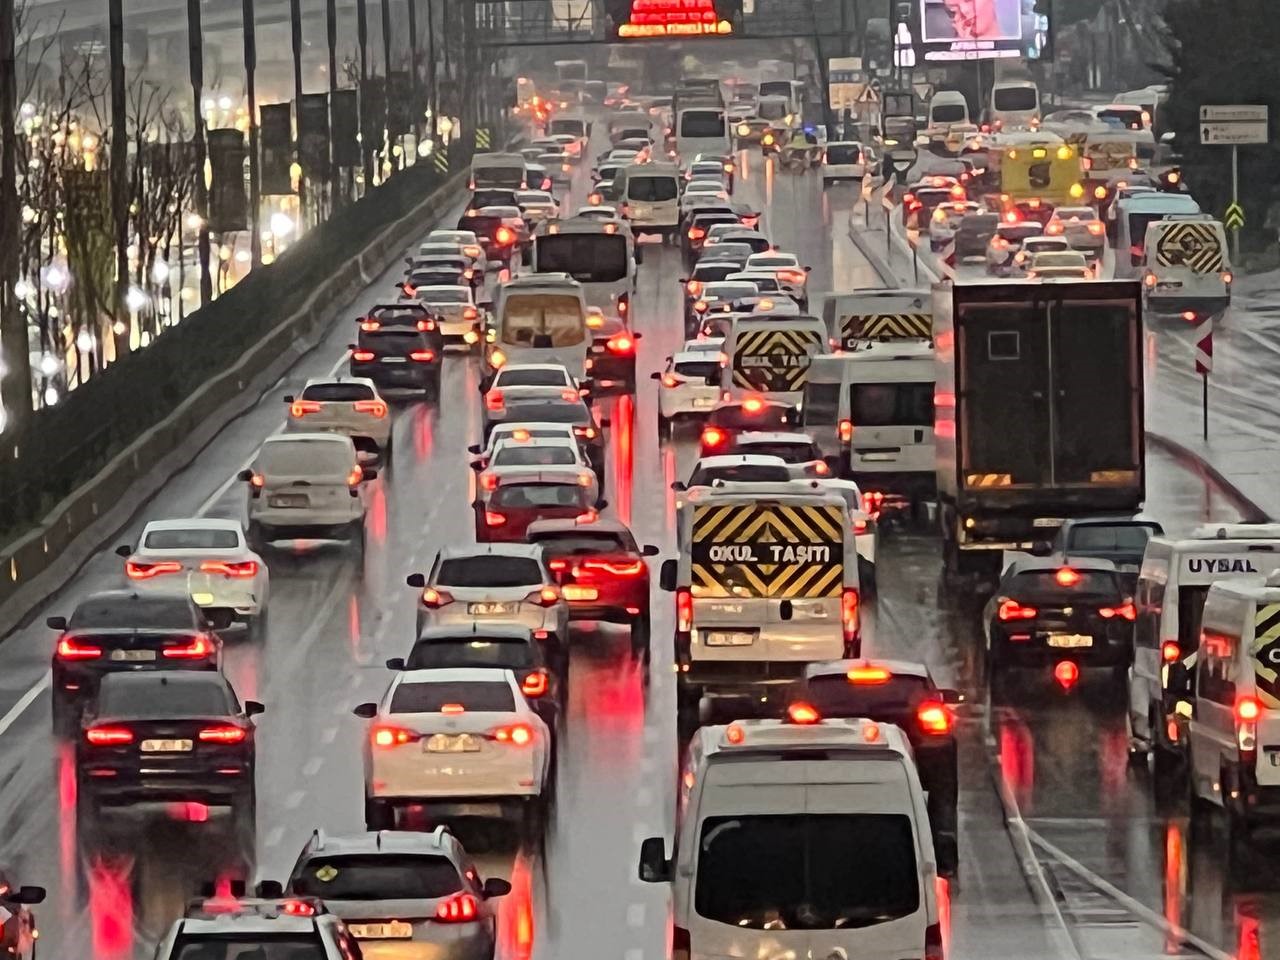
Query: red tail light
[(136, 570), (371, 325), (300, 408), (71, 649), (752, 404), (494, 519), (711, 437), (109, 736), (546, 181), (558, 566), (241, 570), (546, 597), (470, 313), (423, 356), (494, 400), (376, 408), (433, 598), (199, 646), (1136, 251), (298, 908), (1066, 577), (1125, 611), (791, 276), (390, 736), (696, 233), (684, 611), (934, 718), (630, 569), (1066, 673), (426, 326), (257, 481), (364, 356), (489, 481), (859, 526), (460, 908), (668, 380), (872, 501), (1247, 710), (1169, 651), (355, 477), (868, 675), (227, 734), (693, 287), (803, 713), (1096, 228), (535, 684), (849, 613), (621, 344), (516, 734), (1053, 230), (846, 431), (1013, 610), (504, 236)]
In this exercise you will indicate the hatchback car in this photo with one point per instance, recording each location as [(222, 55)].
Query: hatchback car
[(351, 406)]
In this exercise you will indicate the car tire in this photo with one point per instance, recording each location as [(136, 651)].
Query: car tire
[(256, 628), (640, 640), (66, 717), (255, 538), (379, 814), (867, 578), (357, 538)]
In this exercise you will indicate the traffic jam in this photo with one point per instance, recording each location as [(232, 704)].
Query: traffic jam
[(641, 563)]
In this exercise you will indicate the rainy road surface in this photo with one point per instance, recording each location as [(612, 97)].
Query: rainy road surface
[(334, 622)]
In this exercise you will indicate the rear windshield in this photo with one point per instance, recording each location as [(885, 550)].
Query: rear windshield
[(772, 111), (736, 418), (249, 946), (392, 342), (384, 876), (1043, 585), (821, 403), (446, 296), (118, 611), (476, 696), (532, 495), (310, 457), (837, 696), (472, 652), (839, 153), (949, 113), (338, 392), (1127, 539), (532, 378), (891, 404), (557, 316), (698, 369), (702, 123), (713, 271), (1015, 98), (807, 871), (158, 698), (566, 543), (790, 452), (651, 189), (745, 473), (399, 316), (531, 456), (191, 540), (488, 571)]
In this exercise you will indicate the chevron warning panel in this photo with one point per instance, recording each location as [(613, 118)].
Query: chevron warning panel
[(767, 550), (1190, 244), (774, 361), (884, 326), (1266, 653)]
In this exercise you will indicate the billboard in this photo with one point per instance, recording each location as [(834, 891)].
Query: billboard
[(982, 29), (228, 205)]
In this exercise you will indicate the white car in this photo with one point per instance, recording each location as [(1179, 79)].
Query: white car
[(1082, 227), (519, 458), (1033, 246), (945, 220), (602, 211), (460, 742), (792, 277), (702, 192), (688, 387), (1006, 243), (736, 468), (537, 205), (521, 431), (1059, 265), (493, 581), (467, 242), (210, 558), (456, 312), (532, 375), (452, 248), (306, 486), (351, 406), (798, 450), (705, 170)]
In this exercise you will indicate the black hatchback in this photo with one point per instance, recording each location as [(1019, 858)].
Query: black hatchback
[(122, 631), (399, 347)]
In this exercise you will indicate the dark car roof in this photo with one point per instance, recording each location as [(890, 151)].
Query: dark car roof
[(127, 610), (176, 678), (1055, 562)]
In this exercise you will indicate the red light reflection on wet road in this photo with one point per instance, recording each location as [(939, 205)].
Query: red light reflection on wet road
[(423, 435), (624, 455), (67, 820), (1175, 880), (111, 909), (516, 924), (942, 887), (1249, 939), (376, 521), (1017, 760)]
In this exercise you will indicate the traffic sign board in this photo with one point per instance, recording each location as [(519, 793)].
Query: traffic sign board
[(1234, 218), (1233, 113), (1204, 346), (1233, 124)]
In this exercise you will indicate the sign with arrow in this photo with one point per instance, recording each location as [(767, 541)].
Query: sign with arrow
[(1234, 217), (1233, 125)]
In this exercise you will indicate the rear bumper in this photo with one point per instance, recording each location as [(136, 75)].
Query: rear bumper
[(392, 376), (1107, 651), (1176, 303), (324, 527), (108, 784)]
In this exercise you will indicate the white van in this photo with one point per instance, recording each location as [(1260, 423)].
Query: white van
[(790, 90), (804, 838), (504, 171), (1133, 215), (768, 355), (843, 160), (1174, 580), (702, 128), (1015, 104), (540, 318), (651, 198), (1185, 266), (599, 254), (947, 107)]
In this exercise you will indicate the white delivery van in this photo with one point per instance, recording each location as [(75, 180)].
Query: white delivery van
[(1015, 104), (651, 198), (947, 107), (768, 355), (1133, 215), (503, 171), (1185, 266), (540, 318), (702, 129), (803, 838)]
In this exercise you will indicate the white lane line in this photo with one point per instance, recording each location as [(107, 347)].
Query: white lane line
[(635, 953), (1140, 910), (274, 836), (329, 735), (312, 766), (294, 800), (635, 915), (644, 797), (25, 701)]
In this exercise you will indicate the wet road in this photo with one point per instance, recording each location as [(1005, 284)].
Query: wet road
[(333, 622)]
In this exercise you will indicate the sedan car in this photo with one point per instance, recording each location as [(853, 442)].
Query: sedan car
[(457, 743), (402, 895), (729, 418), (531, 406), (209, 559), (167, 735), (503, 432), (735, 468), (523, 459), (347, 405), (537, 206), (792, 276), (1083, 229), (1059, 265), (530, 494), (688, 387), (797, 450), (458, 316), (466, 241)]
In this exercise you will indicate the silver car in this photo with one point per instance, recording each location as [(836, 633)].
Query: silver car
[(425, 881)]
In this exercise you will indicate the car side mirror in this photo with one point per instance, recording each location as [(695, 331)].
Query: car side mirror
[(474, 449), (56, 623), (124, 550), (366, 711), (678, 486), (29, 895), (495, 887), (1041, 548), (476, 465), (408, 261), (416, 580), (252, 708), (351, 346), (246, 475), (654, 865), (951, 697), (667, 575), (395, 663), (656, 375), (368, 473), (269, 889), (649, 550), (288, 398)]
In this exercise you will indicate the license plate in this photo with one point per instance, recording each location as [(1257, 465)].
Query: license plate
[(574, 592), (394, 360), (165, 746), (1070, 640), (133, 656), (703, 403), (451, 743), (288, 500), (395, 930), (729, 638), (874, 457), (1168, 285), (597, 348), (490, 609)]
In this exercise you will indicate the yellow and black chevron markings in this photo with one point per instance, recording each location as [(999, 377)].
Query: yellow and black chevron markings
[(774, 360), (885, 326), (483, 140), (988, 479), (1266, 653), (1192, 245), (767, 550)]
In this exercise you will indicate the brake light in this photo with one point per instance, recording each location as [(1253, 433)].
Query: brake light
[(504, 235), (390, 736), (1125, 611), (791, 276), (868, 675), (355, 477), (70, 649), (803, 713), (546, 181), (846, 431), (240, 570), (711, 437), (1011, 216), (369, 325), (933, 718), (957, 191), (546, 597), (136, 570), (1095, 227), (633, 569), (433, 598), (585, 479), (1247, 710), (1066, 673), (1066, 577), (1169, 651), (684, 611), (859, 526), (621, 344), (257, 481), (668, 380), (472, 251), (108, 736), (423, 356), (516, 734), (200, 646), (908, 198), (470, 313), (534, 684), (753, 405), (1100, 193), (426, 326), (363, 356), (297, 908), (494, 400), (1013, 610), (300, 408), (227, 734), (569, 396), (375, 408), (872, 501), (460, 908), (588, 432), (489, 481), (849, 613), (1053, 230), (696, 233), (494, 519), (694, 287)]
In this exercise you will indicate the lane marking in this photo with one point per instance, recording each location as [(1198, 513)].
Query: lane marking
[(635, 915), (329, 735), (312, 766), (294, 800), (274, 836), (25, 701)]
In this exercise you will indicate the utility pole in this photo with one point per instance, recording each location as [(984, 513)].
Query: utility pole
[(195, 52), (255, 175), (362, 34), (295, 31), (119, 168), (331, 36), (386, 78), (415, 96), (15, 377), (433, 104)]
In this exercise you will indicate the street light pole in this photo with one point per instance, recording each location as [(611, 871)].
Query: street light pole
[(295, 30), (414, 80), (331, 36), (195, 52), (15, 379), (119, 168), (386, 78), (255, 175), (362, 35)]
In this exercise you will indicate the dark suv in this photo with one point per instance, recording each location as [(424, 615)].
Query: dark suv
[(399, 346)]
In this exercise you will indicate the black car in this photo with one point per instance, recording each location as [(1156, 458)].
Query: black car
[(705, 271), (1119, 540), (729, 418), (491, 644), (1045, 613), (552, 409), (167, 736), (611, 358), (905, 695), (399, 346), (123, 631), (693, 232), (499, 241)]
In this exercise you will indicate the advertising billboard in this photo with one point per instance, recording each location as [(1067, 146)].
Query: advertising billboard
[(982, 29)]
